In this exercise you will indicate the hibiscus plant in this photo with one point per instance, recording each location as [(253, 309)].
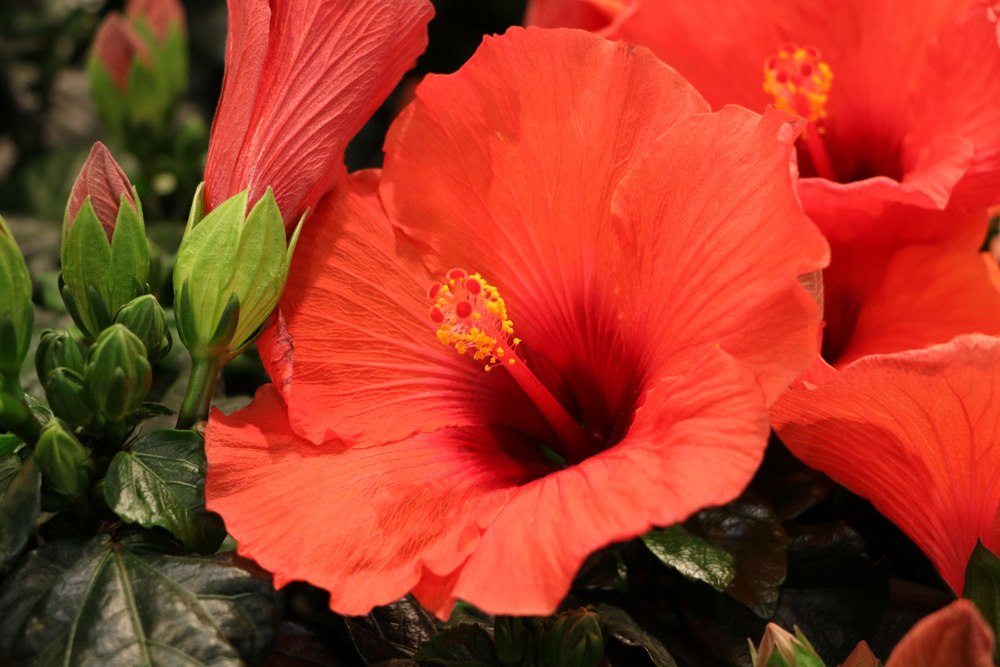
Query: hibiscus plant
[(653, 333)]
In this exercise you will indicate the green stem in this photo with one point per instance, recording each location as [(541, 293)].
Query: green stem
[(198, 398), (15, 415)]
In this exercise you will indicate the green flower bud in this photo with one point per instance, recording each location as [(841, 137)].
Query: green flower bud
[(65, 464), (118, 373), (16, 312), (65, 392), (105, 255), (780, 648), (229, 274), (58, 349), (574, 640), (145, 318), (515, 644)]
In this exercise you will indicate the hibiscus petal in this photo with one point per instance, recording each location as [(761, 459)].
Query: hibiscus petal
[(593, 15), (508, 167), (915, 433), (355, 351), (954, 635), (362, 522), (696, 441), (927, 296), (692, 248), (302, 79)]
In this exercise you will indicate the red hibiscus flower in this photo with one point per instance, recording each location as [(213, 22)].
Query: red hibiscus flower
[(628, 308), (918, 434), (301, 79), (903, 141)]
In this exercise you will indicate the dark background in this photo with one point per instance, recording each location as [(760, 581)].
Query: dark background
[(47, 120)]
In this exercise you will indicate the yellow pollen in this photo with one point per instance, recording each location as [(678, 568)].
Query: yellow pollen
[(472, 318), (800, 81)]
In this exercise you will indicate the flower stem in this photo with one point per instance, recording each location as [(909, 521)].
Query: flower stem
[(15, 414), (198, 397)]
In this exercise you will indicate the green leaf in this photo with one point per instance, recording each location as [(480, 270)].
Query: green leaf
[(692, 556), (128, 603), (622, 628), (982, 584), (465, 645), (20, 504), (754, 536), (160, 481), (393, 631)]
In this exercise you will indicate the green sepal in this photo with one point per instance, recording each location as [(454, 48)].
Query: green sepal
[(65, 464), (58, 349), (129, 264), (574, 639), (145, 318), (16, 310), (65, 392), (118, 374), (86, 257), (982, 584), (240, 262), (108, 98)]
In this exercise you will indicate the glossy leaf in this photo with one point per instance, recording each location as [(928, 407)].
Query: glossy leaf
[(128, 603), (464, 645), (20, 503), (754, 536), (393, 631), (692, 556), (621, 627), (160, 481)]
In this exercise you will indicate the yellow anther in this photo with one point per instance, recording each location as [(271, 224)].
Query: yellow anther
[(799, 80), (472, 317)]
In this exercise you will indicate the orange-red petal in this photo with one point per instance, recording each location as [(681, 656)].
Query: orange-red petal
[(954, 635), (301, 79), (712, 254), (916, 433)]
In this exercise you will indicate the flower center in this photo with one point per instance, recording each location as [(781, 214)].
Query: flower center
[(471, 318), (799, 80)]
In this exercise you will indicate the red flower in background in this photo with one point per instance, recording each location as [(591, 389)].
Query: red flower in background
[(302, 77), (636, 331), (117, 44), (903, 142), (918, 434)]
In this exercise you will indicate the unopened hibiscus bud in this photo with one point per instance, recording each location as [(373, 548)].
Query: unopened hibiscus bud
[(515, 644), (229, 274), (780, 648), (105, 255), (138, 66), (145, 318), (16, 311), (574, 639), (58, 349), (118, 373), (67, 396), (65, 464)]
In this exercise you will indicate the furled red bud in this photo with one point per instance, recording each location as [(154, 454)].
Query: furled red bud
[(118, 373), (105, 255), (574, 639), (117, 45), (65, 464), (145, 318), (58, 349), (229, 274), (160, 16), (954, 635), (106, 184), (16, 312), (138, 69), (780, 648)]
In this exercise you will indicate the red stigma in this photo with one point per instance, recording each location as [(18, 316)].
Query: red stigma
[(463, 309), (437, 315), (456, 274), (472, 286)]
